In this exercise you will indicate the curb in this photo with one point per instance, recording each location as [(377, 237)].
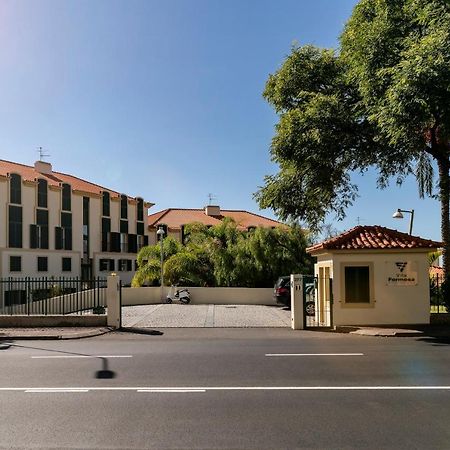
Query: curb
[(388, 333), (42, 336)]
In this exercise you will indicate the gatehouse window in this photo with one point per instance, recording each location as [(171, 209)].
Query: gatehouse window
[(357, 283)]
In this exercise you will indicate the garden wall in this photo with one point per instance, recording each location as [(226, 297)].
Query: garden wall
[(202, 295)]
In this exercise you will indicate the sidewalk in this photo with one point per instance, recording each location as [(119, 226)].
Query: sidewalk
[(51, 333)]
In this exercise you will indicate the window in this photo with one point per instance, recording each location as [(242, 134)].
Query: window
[(15, 189), (132, 243), (140, 228), (357, 284), (124, 226), (67, 264), (39, 232), (66, 225), (86, 228), (15, 226), (106, 204), (140, 210), (140, 242), (123, 206), (106, 265), (125, 265), (106, 228), (42, 263), (42, 193), (15, 263), (66, 197), (124, 242)]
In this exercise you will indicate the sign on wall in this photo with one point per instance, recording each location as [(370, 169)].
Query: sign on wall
[(401, 273)]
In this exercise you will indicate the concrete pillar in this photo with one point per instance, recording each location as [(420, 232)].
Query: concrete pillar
[(113, 301), (297, 309)]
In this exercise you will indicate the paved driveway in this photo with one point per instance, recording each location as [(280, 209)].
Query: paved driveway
[(209, 316)]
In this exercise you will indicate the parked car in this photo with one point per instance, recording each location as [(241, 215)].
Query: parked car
[(282, 294), (282, 291)]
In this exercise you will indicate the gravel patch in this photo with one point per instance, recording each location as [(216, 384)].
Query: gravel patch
[(205, 316)]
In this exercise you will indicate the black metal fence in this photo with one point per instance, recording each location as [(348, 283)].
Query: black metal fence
[(47, 296), (437, 301)]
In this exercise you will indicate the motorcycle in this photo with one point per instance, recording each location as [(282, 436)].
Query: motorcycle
[(183, 295)]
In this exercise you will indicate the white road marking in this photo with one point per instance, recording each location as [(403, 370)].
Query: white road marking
[(227, 388), (80, 356), (46, 391), (171, 390), (314, 354)]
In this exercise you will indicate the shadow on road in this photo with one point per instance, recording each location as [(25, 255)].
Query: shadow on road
[(103, 373), (136, 330), (436, 340)]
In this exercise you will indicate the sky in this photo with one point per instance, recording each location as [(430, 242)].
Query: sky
[(163, 99)]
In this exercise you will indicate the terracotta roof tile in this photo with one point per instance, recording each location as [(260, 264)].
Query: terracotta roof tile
[(28, 173), (365, 237), (175, 218)]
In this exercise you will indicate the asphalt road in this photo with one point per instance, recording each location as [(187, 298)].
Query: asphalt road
[(221, 388)]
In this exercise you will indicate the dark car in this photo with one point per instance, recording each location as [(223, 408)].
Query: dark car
[(282, 294), (282, 291)]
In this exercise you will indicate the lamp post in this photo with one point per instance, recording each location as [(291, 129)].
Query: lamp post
[(160, 233), (398, 215)]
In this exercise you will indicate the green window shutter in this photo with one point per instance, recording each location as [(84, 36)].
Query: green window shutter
[(58, 238), (132, 243), (115, 242), (33, 236), (67, 238)]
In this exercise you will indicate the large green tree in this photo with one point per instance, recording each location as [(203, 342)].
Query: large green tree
[(382, 99), (224, 255)]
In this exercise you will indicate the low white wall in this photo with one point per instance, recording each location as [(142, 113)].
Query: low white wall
[(53, 321), (202, 295), (65, 304)]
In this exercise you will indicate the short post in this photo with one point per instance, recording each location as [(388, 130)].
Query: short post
[(297, 307), (113, 301)]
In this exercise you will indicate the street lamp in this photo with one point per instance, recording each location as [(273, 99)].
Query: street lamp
[(398, 215), (160, 233)]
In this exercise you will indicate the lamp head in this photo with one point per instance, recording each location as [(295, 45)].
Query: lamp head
[(160, 231), (398, 214)]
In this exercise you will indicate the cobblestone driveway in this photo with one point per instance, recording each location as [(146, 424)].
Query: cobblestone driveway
[(200, 316)]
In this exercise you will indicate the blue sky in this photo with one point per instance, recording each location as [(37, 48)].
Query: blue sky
[(163, 99)]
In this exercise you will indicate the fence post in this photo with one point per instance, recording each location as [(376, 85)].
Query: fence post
[(113, 301), (297, 303)]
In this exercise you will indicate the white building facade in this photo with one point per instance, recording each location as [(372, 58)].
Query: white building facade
[(57, 225)]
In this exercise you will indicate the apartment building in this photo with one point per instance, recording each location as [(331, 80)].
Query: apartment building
[(174, 220), (58, 225)]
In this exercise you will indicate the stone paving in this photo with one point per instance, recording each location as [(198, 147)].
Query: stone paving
[(205, 316)]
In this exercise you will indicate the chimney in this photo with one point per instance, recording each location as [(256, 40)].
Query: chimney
[(212, 210), (43, 167)]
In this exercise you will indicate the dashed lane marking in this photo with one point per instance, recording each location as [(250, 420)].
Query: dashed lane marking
[(314, 354), (80, 356)]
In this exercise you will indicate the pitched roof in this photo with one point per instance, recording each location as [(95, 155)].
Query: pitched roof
[(175, 218), (375, 237), (29, 173)]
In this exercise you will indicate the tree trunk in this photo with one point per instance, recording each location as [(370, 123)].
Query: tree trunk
[(444, 195)]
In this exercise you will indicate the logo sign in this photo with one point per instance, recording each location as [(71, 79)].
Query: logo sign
[(401, 273)]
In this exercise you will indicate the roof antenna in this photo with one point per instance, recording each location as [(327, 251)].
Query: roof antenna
[(211, 197), (42, 155)]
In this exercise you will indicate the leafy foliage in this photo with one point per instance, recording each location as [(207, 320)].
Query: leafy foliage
[(224, 255), (382, 101)]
